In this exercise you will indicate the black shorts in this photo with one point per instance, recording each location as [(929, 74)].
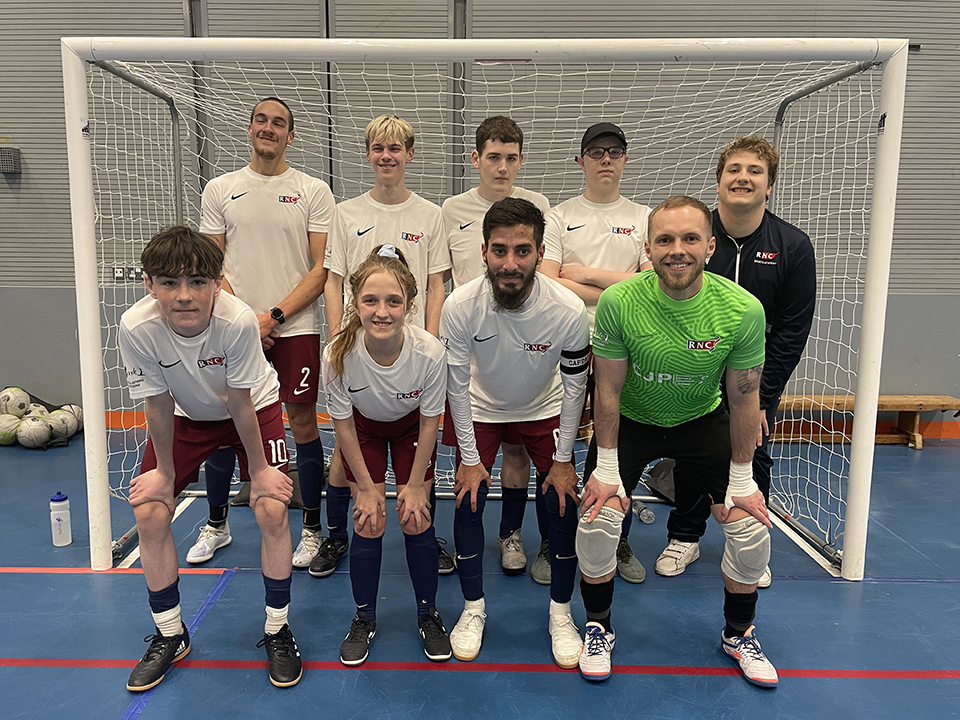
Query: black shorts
[(701, 448)]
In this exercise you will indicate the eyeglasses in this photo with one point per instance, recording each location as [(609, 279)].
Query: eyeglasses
[(597, 153)]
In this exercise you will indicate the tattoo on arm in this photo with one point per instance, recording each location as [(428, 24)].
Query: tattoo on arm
[(748, 380)]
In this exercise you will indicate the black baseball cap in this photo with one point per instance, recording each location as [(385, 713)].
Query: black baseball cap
[(604, 128)]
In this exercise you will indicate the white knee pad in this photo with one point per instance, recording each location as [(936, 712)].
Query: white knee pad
[(597, 542), (747, 550)]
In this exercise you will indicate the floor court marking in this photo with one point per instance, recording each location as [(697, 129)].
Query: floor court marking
[(139, 703), (112, 571), (372, 666)]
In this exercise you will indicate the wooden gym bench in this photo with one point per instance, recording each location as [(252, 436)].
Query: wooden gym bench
[(905, 432)]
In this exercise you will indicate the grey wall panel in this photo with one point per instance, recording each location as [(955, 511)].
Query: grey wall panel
[(251, 18), (921, 347), (380, 19), (40, 351), (35, 238)]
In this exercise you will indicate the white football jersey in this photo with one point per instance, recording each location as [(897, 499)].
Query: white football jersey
[(414, 226), (418, 378), (266, 220), (197, 370), (608, 236), (515, 358), (463, 223)]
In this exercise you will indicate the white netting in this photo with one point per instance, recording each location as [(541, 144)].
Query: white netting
[(676, 118)]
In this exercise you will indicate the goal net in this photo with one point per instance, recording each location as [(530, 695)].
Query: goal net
[(158, 130)]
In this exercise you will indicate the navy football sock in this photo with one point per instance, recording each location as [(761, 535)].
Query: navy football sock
[(468, 536), (338, 502), (511, 512), (422, 563), (365, 557)]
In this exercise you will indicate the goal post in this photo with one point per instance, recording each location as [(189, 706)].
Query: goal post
[(150, 120)]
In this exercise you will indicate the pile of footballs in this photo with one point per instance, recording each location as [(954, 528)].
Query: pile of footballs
[(35, 424)]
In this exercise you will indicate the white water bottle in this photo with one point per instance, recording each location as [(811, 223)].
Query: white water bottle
[(60, 520)]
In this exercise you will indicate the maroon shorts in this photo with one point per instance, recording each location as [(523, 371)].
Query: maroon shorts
[(400, 436), (297, 362), (535, 435), (195, 440)]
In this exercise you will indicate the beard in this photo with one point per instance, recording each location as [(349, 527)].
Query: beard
[(672, 281), (509, 298)]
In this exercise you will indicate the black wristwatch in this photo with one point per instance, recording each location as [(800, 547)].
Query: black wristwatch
[(277, 314)]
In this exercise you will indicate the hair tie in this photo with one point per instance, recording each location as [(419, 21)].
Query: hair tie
[(388, 251)]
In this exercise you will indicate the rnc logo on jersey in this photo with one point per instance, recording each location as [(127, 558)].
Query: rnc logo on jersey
[(707, 345), (411, 237), (537, 347), (623, 230), (766, 258), (410, 395), (291, 199), (211, 361)]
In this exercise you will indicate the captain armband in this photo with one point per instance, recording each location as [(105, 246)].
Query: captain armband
[(574, 362)]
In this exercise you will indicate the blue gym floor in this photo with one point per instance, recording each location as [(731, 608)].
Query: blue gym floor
[(887, 647)]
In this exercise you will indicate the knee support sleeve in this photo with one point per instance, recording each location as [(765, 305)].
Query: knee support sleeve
[(747, 550), (597, 542)]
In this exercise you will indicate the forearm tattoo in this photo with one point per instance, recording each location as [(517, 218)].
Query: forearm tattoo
[(748, 381)]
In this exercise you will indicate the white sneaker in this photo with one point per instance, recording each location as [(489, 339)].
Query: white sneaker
[(468, 634), (753, 663), (512, 558), (307, 547), (676, 556), (211, 539), (565, 641), (595, 656), (766, 579)]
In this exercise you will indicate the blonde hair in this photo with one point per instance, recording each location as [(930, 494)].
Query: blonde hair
[(389, 127), (342, 343)]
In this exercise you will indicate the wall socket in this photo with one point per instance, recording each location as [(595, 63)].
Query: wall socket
[(127, 274)]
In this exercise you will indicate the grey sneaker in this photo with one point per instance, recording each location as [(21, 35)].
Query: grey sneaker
[(766, 579), (307, 548), (512, 558), (628, 566), (467, 634), (211, 539), (540, 570), (676, 556)]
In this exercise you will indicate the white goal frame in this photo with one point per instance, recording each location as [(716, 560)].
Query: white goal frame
[(76, 53)]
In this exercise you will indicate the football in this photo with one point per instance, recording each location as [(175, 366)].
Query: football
[(9, 424), (14, 401), (34, 432)]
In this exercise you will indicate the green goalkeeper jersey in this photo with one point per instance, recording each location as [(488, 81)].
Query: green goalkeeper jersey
[(677, 349)]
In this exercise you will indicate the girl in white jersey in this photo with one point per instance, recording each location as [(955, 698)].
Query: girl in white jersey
[(385, 384)]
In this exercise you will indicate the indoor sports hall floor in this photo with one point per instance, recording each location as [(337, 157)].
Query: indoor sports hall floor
[(887, 647)]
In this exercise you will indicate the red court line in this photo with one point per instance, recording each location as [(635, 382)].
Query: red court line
[(822, 673), (113, 571)]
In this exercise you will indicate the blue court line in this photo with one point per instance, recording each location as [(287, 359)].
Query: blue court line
[(140, 702)]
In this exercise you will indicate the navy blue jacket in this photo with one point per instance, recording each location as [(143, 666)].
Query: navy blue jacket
[(776, 263)]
